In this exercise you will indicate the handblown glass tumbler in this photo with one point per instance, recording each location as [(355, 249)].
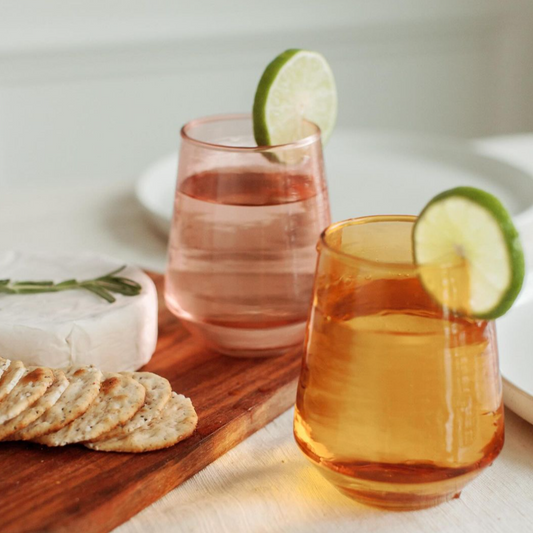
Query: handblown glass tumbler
[(399, 401), (242, 244)]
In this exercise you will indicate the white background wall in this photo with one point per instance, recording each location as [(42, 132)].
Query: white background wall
[(95, 90)]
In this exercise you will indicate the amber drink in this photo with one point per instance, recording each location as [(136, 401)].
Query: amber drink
[(399, 402)]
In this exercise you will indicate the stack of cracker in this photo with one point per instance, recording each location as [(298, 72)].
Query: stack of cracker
[(112, 412)]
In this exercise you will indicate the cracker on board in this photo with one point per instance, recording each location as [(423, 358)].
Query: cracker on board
[(83, 388), (120, 397), (11, 377), (177, 422), (30, 387), (158, 391), (32, 413), (4, 365)]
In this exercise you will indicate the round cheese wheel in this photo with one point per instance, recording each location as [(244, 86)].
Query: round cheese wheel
[(75, 327)]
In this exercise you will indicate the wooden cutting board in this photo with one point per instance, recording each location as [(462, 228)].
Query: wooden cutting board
[(73, 489)]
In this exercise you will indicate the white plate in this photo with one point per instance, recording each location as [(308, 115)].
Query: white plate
[(376, 173), (515, 343), (155, 191)]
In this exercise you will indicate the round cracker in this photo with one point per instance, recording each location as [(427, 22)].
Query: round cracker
[(32, 413), (11, 377), (4, 365), (83, 388), (30, 387), (119, 399), (177, 421), (158, 391)]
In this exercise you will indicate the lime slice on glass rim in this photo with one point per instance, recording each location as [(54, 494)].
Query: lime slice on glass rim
[(297, 84), (470, 228)]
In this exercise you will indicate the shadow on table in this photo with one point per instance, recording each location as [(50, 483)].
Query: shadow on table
[(127, 223), (300, 482)]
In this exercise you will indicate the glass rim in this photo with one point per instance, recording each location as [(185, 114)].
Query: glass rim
[(354, 258), (185, 133)]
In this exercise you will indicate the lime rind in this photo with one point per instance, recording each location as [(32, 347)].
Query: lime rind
[(474, 223), (261, 133), (297, 84)]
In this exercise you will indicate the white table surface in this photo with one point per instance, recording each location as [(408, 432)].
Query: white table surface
[(265, 484)]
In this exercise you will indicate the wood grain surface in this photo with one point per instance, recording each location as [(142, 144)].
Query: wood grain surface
[(74, 489)]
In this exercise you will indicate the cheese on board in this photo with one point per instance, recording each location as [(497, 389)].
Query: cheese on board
[(75, 327)]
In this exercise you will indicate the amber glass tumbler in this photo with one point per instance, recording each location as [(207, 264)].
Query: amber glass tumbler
[(399, 401)]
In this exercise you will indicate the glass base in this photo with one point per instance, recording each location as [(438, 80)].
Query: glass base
[(249, 342), (398, 496)]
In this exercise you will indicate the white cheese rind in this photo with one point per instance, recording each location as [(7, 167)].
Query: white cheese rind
[(76, 327)]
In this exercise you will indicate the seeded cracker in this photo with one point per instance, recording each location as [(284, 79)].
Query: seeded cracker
[(11, 377), (4, 365), (83, 388), (158, 392), (177, 422), (32, 413), (119, 399), (31, 386)]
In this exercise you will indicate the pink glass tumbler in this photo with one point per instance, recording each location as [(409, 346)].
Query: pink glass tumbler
[(242, 244)]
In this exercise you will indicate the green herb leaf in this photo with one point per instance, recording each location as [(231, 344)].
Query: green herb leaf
[(103, 286), (100, 291), (37, 283)]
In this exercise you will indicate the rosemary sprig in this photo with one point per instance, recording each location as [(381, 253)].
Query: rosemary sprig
[(102, 286)]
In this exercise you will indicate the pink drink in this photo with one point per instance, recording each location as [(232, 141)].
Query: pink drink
[(242, 253)]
